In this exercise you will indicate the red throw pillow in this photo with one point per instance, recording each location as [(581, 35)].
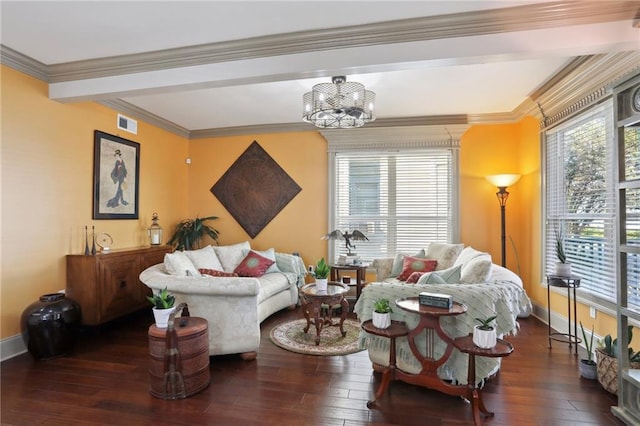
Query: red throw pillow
[(416, 264), (253, 265), (216, 273), (414, 277)]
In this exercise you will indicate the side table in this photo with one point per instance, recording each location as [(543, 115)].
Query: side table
[(474, 395), (396, 329), (571, 282), (361, 273), (313, 301)]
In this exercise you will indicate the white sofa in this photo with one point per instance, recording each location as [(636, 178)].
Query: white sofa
[(234, 306), (498, 291)]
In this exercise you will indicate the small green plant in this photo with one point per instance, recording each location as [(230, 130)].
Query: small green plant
[(560, 253), (162, 299), (322, 269), (485, 323), (610, 346), (588, 344), (382, 306)]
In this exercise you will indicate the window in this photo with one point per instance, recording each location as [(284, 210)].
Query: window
[(580, 199), (400, 200)]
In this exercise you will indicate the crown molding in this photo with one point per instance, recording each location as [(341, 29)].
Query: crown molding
[(23, 63), (466, 24)]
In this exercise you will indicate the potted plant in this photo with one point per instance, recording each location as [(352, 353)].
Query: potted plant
[(588, 366), (189, 232), (563, 268), (607, 361), (484, 335), (163, 305), (381, 313), (321, 275)]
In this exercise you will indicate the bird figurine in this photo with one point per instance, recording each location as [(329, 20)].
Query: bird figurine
[(347, 237)]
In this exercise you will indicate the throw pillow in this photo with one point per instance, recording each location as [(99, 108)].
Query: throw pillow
[(253, 265), (398, 263), (216, 273), (477, 270), (414, 277), (467, 254), (445, 276), (433, 278), (445, 254), (177, 263), (415, 264), (204, 258), (231, 256), (269, 254)]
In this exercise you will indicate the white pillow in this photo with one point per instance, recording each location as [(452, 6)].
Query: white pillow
[(177, 263), (269, 254), (445, 254), (204, 258), (467, 254), (477, 270), (445, 276), (398, 262), (231, 256)]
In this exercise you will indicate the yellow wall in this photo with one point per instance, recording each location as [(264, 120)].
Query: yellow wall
[(47, 169), (47, 174), (299, 226)]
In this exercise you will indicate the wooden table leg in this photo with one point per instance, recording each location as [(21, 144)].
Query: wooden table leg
[(317, 308), (473, 393), (344, 304), (387, 375)]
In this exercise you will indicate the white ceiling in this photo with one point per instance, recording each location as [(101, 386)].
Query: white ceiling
[(462, 68)]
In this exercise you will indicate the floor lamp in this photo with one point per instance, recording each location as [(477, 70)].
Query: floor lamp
[(502, 182)]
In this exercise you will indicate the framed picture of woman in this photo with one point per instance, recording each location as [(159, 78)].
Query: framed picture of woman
[(116, 170)]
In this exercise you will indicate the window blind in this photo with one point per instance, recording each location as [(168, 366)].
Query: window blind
[(401, 200), (580, 198)]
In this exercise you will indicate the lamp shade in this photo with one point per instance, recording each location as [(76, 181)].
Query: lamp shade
[(503, 180)]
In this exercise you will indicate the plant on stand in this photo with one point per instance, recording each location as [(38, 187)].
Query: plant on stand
[(484, 335), (163, 305), (588, 366), (381, 313), (563, 268), (189, 232), (321, 275)]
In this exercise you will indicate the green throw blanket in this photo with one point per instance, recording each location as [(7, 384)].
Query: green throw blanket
[(502, 298)]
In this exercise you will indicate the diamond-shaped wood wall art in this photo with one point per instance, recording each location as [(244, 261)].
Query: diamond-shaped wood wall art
[(255, 189)]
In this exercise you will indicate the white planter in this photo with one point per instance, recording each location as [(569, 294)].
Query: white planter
[(563, 269), (485, 339), (321, 284), (162, 316), (381, 320)]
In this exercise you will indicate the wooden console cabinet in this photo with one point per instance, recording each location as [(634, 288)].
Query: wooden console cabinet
[(107, 286)]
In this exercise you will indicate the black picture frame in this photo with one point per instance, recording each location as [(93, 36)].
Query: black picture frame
[(116, 177)]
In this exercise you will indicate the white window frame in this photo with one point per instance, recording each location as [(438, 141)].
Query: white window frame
[(403, 140), (605, 275)]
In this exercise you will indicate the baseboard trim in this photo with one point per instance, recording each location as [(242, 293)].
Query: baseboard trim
[(12, 347), (560, 324)]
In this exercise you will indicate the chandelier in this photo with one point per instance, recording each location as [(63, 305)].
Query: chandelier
[(338, 105)]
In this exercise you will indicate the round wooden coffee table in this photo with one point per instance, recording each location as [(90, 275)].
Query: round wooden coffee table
[(318, 306)]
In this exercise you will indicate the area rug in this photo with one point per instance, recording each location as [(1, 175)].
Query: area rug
[(290, 336)]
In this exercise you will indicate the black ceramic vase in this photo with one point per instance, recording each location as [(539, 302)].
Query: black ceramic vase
[(51, 325)]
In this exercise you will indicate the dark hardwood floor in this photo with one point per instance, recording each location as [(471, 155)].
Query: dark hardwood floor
[(105, 381)]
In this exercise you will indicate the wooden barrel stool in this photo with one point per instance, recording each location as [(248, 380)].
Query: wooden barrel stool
[(179, 357)]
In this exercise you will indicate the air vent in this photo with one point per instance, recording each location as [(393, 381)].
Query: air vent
[(127, 124)]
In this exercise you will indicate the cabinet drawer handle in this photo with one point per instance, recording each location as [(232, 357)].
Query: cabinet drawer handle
[(123, 284)]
